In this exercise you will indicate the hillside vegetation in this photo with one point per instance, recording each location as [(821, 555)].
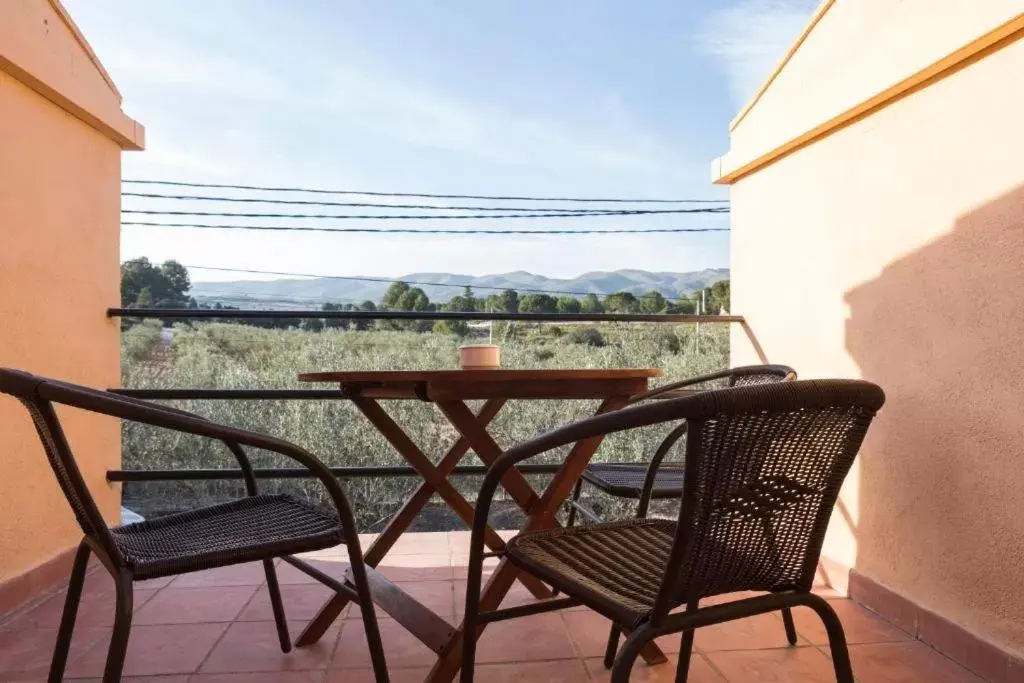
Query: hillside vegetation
[(217, 355)]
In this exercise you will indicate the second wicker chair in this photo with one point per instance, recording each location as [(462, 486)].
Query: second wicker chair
[(763, 469)]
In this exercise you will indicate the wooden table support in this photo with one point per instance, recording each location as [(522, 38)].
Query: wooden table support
[(435, 480), (450, 390)]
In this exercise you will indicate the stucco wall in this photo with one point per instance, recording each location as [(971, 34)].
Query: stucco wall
[(893, 250), (858, 48), (59, 253)]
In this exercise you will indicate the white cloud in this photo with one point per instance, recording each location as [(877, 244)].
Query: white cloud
[(750, 37)]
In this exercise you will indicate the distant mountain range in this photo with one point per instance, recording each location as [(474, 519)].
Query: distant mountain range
[(442, 286)]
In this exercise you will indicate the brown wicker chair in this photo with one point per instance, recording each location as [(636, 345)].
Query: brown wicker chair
[(258, 527), (763, 469), (656, 479), (659, 480)]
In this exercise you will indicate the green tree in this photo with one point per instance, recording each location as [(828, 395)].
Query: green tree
[(569, 304), (591, 304), (177, 283), (652, 302), (167, 285), (684, 306), (509, 300), (621, 302), (311, 325), (719, 295), (363, 324), (336, 323), (145, 298), (538, 303), (394, 295)]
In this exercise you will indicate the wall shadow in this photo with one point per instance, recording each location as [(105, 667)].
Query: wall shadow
[(941, 495)]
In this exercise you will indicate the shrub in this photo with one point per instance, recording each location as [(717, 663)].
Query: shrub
[(138, 342), (590, 336)]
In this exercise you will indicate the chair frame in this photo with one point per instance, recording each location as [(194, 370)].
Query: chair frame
[(663, 392), (695, 410), (39, 394)]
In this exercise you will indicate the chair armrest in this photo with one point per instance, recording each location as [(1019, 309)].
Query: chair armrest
[(652, 468), (143, 412), (672, 386)]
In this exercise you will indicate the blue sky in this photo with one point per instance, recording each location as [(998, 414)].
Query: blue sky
[(536, 97)]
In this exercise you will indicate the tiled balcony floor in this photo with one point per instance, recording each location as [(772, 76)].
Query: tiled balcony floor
[(216, 627)]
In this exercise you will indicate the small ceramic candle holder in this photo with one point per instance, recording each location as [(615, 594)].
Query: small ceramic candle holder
[(479, 357)]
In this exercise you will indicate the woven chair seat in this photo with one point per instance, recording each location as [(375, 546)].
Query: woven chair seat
[(244, 530), (627, 480), (617, 567)]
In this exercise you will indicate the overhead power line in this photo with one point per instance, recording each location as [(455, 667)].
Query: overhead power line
[(424, 231), (459, 217), (260, 188), (418, 283), (425, 207)]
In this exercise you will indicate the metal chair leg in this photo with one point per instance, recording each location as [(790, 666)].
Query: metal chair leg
[(122, 629), (373, 639), (67, 619), (787, 620), (278, 606), (685, 651), (627, 655), (572, 505), (613, 645), (836, 637)]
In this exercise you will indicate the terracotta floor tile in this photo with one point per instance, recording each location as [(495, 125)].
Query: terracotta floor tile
[(517, 595), (155, 584), (96, 608), (860, 625), (261, 677), (332, 566), (788, 665), (401, 648), (252, 646), (460, 565), (725, 597), (700, 671), (337, 552), (27, 651), (152, 650), (589, 633), (533, 638), (434, 567), (417, 675), (250, 574), (458, 541), (911, 662), (559, 671), (750, 633), (301, 603), (422, 543), (195, 605), (827, 592)]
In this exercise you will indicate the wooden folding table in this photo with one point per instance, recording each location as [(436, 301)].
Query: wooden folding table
[(449, 390)]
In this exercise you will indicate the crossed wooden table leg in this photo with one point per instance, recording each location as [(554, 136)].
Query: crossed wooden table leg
[(540, 515), (435, 480), (431, 629)]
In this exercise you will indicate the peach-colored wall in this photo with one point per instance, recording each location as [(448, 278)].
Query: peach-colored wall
[(893, 249), (59, 252), (857, 49)]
